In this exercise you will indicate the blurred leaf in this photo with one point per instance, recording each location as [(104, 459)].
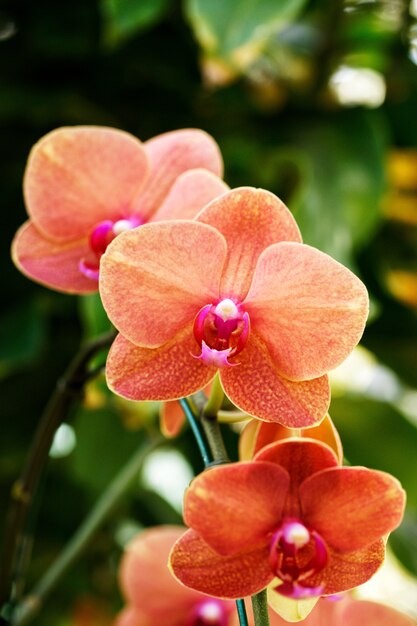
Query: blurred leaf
[(103, 447), (338, 173), (375, 434), (22, 332), (93, 316), (404, 542), (236, 31), (125, 18)]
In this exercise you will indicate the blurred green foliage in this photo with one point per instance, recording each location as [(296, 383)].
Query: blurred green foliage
[(260, 78)]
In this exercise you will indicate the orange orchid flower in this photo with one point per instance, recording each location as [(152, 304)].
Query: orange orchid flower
[(154, 596), (84, 185), (292, 516), (234, 290)]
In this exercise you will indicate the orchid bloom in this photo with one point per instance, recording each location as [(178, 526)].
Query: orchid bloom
[(234, 290), (85, 185), (154, 596), (292, 518)]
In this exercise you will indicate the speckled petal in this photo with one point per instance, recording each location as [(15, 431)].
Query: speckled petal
[(351, 507), (256, 387), (250, 220), (236, 506), (171, 154), (165, 373), (155, 279), (310, 310), (79, 176), (51, 263), (199, 567)]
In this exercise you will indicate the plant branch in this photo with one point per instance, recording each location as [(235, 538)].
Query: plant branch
[(68, 390), (260, 608)]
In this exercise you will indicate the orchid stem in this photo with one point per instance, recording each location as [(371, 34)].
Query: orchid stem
[(260, 608), (34, 601), (68, 390), (241, 612), (192, 418)]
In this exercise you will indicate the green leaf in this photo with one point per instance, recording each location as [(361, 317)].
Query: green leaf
[(125, 18), (338, 168), (236, 30)]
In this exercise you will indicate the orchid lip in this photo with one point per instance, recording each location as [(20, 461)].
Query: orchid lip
[(221, 330), (102, 234), (296, 554)]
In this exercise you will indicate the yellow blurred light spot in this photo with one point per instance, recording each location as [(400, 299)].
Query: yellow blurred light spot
[(403, 285)]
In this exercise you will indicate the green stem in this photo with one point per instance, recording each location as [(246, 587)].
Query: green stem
[(32, 604), (260, 609), (214, 403), (214, 437), (68, 390), (192, 418)]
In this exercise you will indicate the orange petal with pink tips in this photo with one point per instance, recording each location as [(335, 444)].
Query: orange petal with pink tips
[(199, 567), (350, 569), (189, 194), (256, 387), (310, 310), (146, 580), (257, 435), (51, 263), (171, 418), (237, 505), (373, 614), (250, 220), (79, 176), (165, 373), (351, 507), (155, 279), (170, 155), (301, 458)]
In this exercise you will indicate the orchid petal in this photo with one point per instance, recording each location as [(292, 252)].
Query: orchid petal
[(199, 567), (170, 155), (146, 580), (373, 614), (171, 418), (301, 458), (189, 194), (257, 388), (165, 373), (154, 279), (130, 616), (235, 506), (350, 569), (310, 309), (250, 220), (351, 507), (288, 610), (51, 263), (76, 177)]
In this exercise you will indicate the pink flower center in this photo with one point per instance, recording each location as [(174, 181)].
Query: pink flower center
[(100, 237), (221, 331), (210, 612), (297, 554)]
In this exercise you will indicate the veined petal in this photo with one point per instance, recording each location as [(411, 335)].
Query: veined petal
[(171, 154), (199, 567), (310, 310), (352, 507), (250, 220), (189, 194), (350, 569), (79, 176), (146, 580), (155, 279), (164, 373), (236, 506), (51, 263), (256, 387), (301, 458)]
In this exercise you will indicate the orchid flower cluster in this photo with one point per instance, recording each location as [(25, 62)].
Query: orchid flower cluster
[(210, 286)]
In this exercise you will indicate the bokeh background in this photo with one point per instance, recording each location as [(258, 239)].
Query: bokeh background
[(315, 100)]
